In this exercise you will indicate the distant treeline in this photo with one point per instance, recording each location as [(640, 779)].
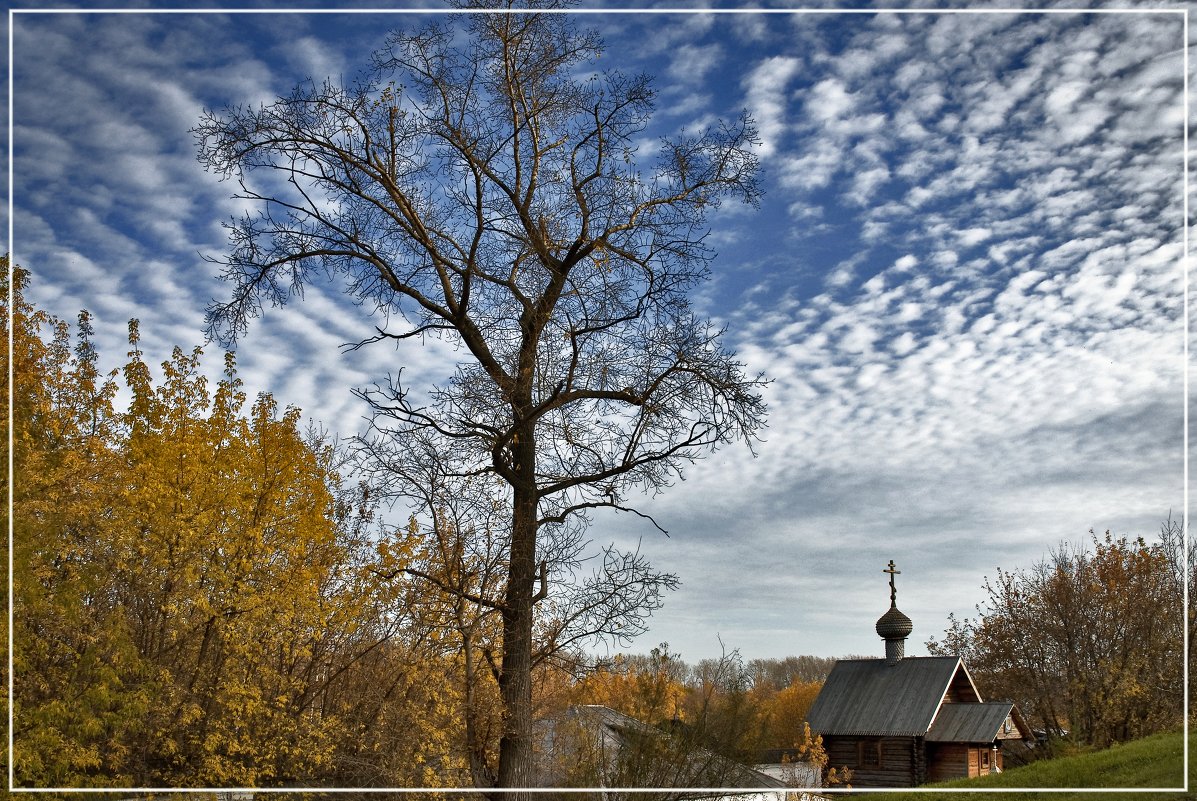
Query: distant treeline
[(781, 673), (736, 708), (775, 674)]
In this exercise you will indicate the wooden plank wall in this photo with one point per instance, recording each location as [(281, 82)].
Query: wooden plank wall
[(900, 758), (947, 761)]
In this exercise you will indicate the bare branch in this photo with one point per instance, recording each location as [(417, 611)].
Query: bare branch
[(470, 187)]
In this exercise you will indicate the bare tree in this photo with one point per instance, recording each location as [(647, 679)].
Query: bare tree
[(1182, 564), (480, 183), (460, 556)]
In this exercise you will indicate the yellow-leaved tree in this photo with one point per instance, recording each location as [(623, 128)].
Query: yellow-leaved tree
[(784, 711), (650, 689), (227, 535), (80, 686), (197, 589)]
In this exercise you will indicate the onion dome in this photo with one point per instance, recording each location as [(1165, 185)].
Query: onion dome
[(894, 625)]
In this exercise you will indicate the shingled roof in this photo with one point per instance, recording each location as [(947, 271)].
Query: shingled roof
[(975, 723), (873, 698)]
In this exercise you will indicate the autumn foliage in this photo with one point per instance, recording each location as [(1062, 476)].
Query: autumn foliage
[(202, 598), (1088, 641), (722, 706), (195, 595)]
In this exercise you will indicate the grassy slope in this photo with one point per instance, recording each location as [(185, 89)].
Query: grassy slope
[(1152, 762)]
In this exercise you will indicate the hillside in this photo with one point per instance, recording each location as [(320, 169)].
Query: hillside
[(1153, 762)]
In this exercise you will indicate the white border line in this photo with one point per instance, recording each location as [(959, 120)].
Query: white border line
[(605, 11), (721, 791), (1185, 388), (11, 384)]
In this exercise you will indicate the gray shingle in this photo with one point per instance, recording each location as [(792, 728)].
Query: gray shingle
[(969, 723), (871, 698)]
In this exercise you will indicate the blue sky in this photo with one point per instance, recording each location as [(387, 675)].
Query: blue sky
[(965, 280)]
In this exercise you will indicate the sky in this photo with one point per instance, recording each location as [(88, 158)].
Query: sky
[(965, 281)]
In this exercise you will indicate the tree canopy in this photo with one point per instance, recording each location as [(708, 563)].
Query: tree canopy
[(480, 182), (194, 588), (1088, 641)]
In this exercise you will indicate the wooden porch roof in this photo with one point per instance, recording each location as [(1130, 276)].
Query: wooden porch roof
[(970, 723)]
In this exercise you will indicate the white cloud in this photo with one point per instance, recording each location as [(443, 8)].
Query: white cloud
[(859, 338), (814, 169), (970, 237), (981, 314), (749, 28), (903, 344), (309, 57), (765, 90), (910, 311), (1062, 99), (828, 101), (865, 184), (691, 63)]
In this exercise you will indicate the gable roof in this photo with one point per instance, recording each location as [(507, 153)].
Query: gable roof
[(969, 723), (876, 698)]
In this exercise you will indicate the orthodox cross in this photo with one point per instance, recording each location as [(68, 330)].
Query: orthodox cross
[(893, 592)]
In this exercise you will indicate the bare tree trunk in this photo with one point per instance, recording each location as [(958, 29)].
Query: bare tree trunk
[(481, 770), (570, 292), (515, 682)]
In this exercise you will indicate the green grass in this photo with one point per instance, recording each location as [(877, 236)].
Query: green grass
[(1154, 762)]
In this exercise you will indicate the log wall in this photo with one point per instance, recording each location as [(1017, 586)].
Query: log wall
[(947, 761), (902, 762)]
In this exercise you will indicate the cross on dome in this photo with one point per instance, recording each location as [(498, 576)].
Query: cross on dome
[(893, 592), (893, 627)]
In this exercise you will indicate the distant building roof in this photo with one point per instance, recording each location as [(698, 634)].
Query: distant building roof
[(702, 768), (876, 698)]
